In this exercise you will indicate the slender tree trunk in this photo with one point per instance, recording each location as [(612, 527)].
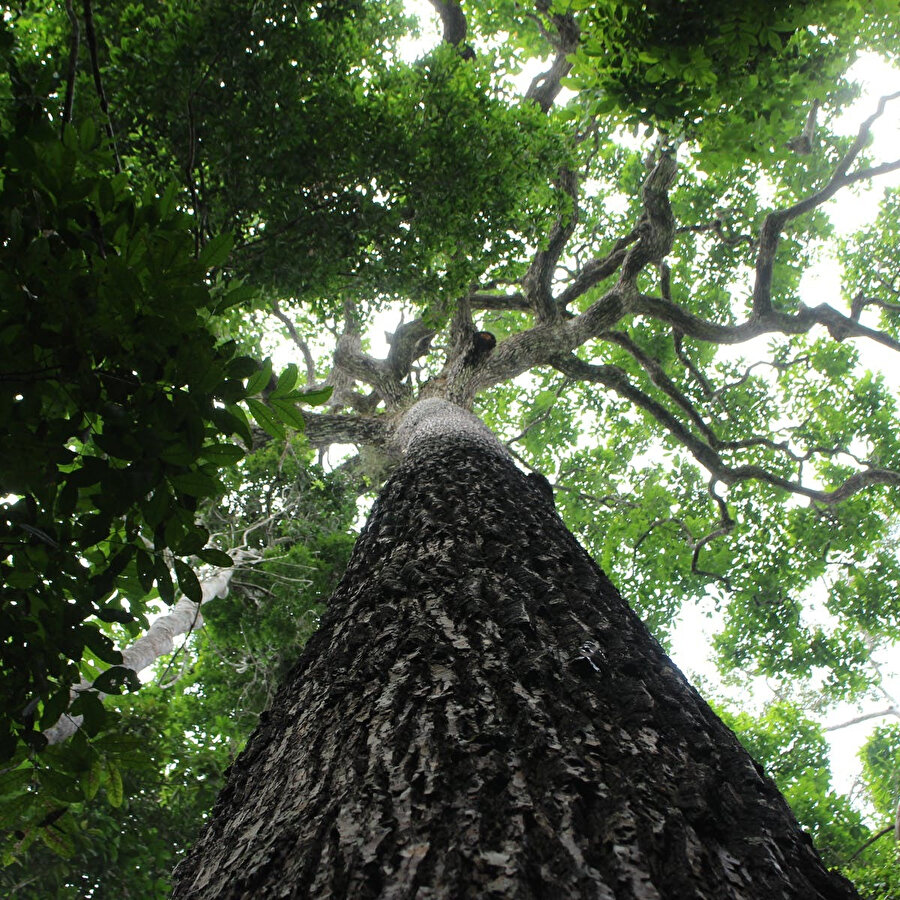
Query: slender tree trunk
[(482, 715)]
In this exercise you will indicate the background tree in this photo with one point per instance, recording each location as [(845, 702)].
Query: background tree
[(615, 270)]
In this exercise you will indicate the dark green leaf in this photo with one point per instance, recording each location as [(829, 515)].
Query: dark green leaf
[(216, 251), (188, 582), (115, 678), (215, 557)]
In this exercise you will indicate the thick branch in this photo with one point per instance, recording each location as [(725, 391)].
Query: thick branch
[(324, 429), (774, 223), (157, 642), (839, 326), (409, 342), (487, 300), (350, 358), (657, 228), (616, 379), (454, 22), (537, 284), (545, 88)]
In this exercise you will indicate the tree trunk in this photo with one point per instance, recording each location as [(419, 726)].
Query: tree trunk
[(482, 715)]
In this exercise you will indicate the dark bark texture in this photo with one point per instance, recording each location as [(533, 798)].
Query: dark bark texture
[(482, 715)]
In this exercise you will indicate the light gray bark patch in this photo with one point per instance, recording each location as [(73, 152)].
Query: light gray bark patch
[(435, 421)]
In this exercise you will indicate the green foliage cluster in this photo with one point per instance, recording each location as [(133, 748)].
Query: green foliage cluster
[(154, 776), (733, 73), (339, 173), (117, 399)]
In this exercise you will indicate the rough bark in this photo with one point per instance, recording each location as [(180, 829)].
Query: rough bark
[(482, 715)]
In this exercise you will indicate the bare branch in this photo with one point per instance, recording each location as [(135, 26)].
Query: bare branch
[(891, 710), (860, 302), (596, 270), (540, 418), (158, 641), (774, 223), (678, 341), (295, 337), (878, 834), (661, 380), (726, 524)]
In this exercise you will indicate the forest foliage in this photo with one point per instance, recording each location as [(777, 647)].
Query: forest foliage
[(183, 182)]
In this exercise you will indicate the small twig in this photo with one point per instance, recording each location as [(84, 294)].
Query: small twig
[(98, 81), (74, 43), (295, 337), (891, 710), (878, 834)]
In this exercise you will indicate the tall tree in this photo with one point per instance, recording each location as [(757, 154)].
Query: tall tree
[(586, 289), (481, 714)]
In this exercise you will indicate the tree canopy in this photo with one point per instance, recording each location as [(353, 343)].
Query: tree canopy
[(626, 197)]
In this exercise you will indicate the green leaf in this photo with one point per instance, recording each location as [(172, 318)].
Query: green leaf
[(113, 781), (265, 419), (101, 645), (318, 396), (222, 454), (113, 614), (164, 581), (188, 582), (216, 251), (215, 557), (55, 707), (15, 782), (115, 678), (145, 569), (61, 843), (287, 381), (242, 367), (61, 786), (87, 133), (239, 294), (197, 484), (287, 412), (260, 380), (90, 781), (156, 507)]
